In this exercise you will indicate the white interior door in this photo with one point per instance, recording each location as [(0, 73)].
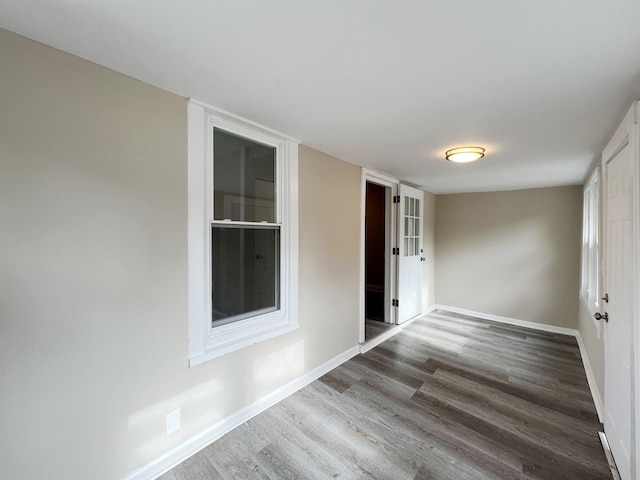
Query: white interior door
[(618, 330), (410, 255)]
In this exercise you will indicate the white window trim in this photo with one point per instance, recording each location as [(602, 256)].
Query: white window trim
[(207, 342), (590, 267)]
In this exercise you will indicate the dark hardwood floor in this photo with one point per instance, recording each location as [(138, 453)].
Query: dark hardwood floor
[(449, 397)]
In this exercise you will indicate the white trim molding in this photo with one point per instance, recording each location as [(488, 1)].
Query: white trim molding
[(429, 309), (609, 455), (193, 445), (635, 142), (591, 379)]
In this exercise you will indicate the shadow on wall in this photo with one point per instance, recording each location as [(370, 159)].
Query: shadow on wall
[(200, 406), (207, 406), (278, 368)]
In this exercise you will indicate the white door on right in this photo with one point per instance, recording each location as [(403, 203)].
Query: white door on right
[(618, 330), (410, 253)]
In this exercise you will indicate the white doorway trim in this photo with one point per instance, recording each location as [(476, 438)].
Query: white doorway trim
[(628, 134), (634, 139), (378, 178)]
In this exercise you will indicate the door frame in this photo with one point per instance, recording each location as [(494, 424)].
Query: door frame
[(629, 132), (371, 176)]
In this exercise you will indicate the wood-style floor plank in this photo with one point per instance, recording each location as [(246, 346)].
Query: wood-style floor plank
[(449, 397)]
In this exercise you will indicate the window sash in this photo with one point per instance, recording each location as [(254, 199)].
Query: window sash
[(238, 287), (233, 298), (234, 187)]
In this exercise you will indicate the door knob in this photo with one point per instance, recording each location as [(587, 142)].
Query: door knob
[(600, 317)]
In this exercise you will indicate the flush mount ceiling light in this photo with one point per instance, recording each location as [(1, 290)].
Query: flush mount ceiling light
[(464, 154)]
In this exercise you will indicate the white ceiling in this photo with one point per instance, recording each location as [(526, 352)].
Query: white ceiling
[(386, 84)]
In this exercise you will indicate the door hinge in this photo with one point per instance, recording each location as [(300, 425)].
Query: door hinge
[(395, 251), (396, 199), (395, 302)]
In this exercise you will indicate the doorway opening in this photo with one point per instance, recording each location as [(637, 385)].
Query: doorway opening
[(381, 290), (377, 259), (376, 247)]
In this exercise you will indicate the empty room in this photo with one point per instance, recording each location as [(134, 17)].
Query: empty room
[(319, 239)]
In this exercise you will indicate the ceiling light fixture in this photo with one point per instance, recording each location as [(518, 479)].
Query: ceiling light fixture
[(464, 154)]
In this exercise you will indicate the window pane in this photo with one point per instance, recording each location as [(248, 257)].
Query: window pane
[(243, 177), (245, 272)]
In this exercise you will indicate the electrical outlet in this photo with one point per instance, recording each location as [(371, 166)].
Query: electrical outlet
[(173, 421)]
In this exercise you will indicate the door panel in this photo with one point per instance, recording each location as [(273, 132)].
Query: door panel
[(619, 331), (410, 253)]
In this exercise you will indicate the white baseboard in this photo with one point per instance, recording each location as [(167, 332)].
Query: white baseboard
[(181, 452), (429, 309), (607, 451), (510, 321), (386, 335), (595, 393)]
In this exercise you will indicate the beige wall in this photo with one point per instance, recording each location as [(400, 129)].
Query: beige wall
[(93, 269), (429, 244), (329, 253), (512, 254), (93, 273)]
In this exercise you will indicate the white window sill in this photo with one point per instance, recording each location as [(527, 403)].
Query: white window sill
[(218, 347)]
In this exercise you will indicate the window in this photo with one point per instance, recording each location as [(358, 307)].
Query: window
[(411, 226), (590, 229), (242, 233)]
